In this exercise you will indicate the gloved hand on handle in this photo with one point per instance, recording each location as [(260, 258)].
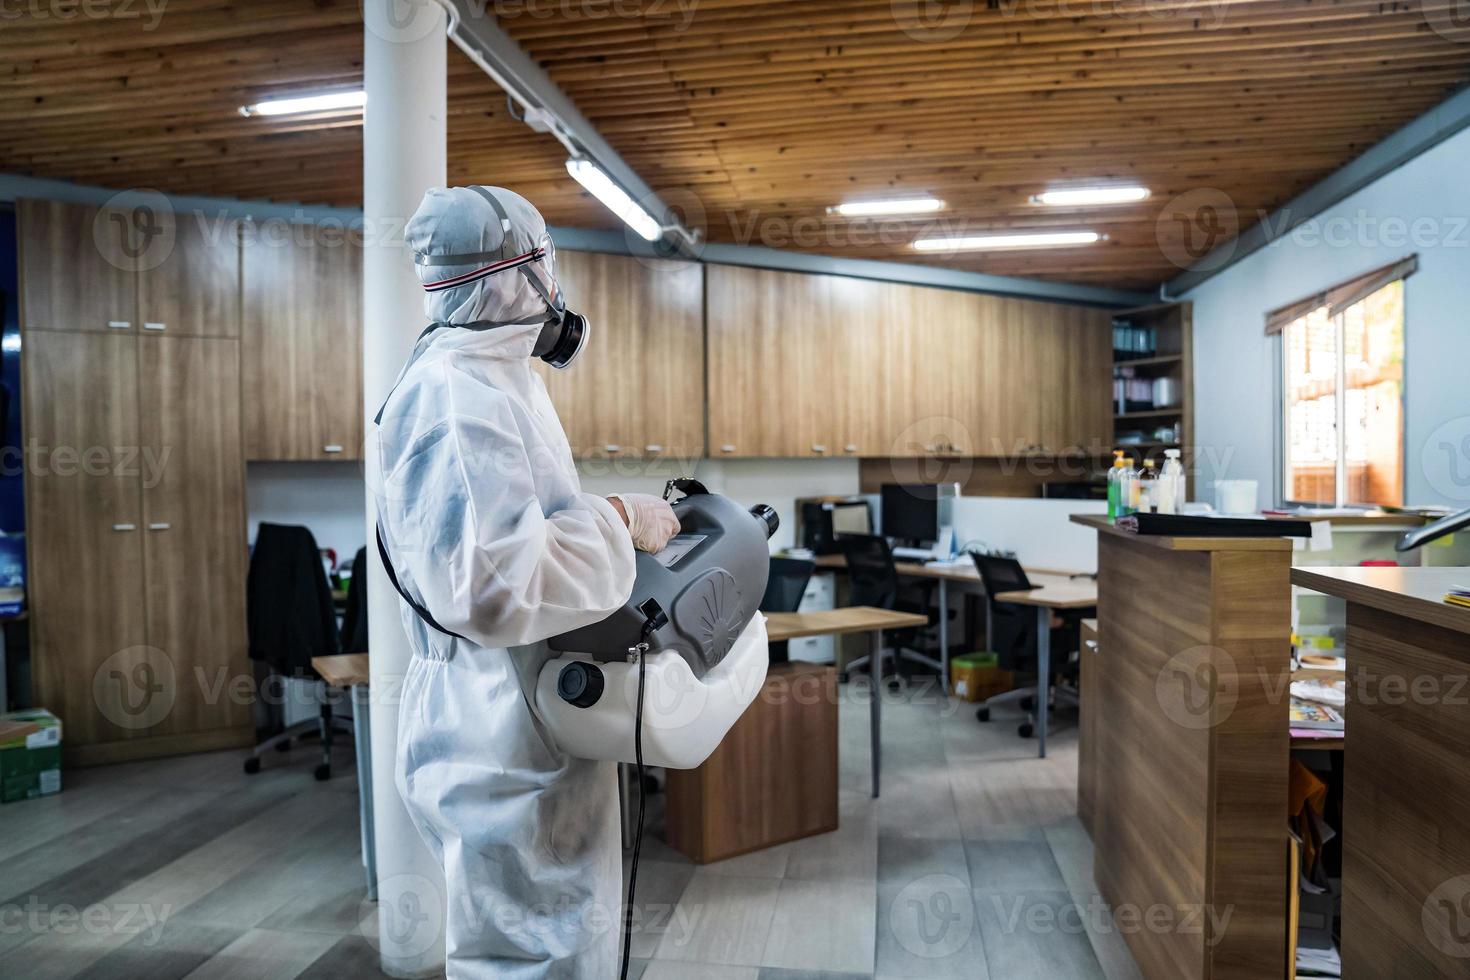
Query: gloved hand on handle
[(651, 521)]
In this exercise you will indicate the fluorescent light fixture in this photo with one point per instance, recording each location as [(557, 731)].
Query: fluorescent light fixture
[(873, 209), (306, 103), (1024, 239), (1086, 196), (614, 198)]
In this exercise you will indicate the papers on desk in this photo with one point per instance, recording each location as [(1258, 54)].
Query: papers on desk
[(1318, 962), (1312, 716), (1333, 694), (1458, 595)]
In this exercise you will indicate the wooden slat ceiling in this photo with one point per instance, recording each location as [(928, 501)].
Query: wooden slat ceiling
[(754, 116)]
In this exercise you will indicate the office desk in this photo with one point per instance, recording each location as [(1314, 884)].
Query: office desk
[(1406, 833), (840, 622), (1049, 593), (350, 670), (962, 574)]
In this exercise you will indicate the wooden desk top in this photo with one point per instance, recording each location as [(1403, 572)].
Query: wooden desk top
[(1415, 593), (343, 669), (1100, 524), (835, 622), (1054, 592), (963, 571)]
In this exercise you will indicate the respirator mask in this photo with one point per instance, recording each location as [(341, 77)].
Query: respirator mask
[(564, 331)]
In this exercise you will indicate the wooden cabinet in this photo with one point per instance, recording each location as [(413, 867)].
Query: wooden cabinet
[(83, 529), (637, 390), (806, 365), (194, 290), (194, 524), (301, 342), (75, 269), (134, 495)]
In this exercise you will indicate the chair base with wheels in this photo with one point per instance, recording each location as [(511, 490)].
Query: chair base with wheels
[(322, 727)]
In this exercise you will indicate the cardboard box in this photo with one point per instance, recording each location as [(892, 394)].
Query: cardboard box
[(30, 755), (975, 677)]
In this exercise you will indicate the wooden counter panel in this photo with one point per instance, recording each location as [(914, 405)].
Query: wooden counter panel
[(1406, 798), (1190, 763)]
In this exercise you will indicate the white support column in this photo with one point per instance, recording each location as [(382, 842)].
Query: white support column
[(403, 155)]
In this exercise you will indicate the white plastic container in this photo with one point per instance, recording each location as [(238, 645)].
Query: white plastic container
[(684, 717), (1236, 496), (1170, 491)]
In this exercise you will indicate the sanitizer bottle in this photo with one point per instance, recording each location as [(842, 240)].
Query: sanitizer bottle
[(1171, 483), (1117, 480)]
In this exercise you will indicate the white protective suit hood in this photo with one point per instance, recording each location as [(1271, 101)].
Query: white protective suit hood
[(485, 260)]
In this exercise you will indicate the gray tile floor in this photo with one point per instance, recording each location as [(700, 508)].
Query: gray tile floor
[(971, 865)]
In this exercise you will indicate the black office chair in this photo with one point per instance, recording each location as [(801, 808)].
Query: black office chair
[(784, 588), (1011, 635), (873, 581), (290, 620)]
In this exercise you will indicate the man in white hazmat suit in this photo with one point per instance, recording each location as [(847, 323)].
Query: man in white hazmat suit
[(495, 548)]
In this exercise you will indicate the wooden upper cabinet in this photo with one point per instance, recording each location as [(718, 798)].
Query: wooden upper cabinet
[(193, 524), (754, 379), (78, 267), (301, 343), (637, 389), (193, 289)]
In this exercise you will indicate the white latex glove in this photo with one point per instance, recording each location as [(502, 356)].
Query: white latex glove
[(651, 521)]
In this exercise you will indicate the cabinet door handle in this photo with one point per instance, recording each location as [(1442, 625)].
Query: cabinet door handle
[(851, 447), (612, 448), (331, 447), (818, 448), (931, 448), (728, 447), (119, 324), (154, 325), (653, 447), (160, 526), (125, 527)]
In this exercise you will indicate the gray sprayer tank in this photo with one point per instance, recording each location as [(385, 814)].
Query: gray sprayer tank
[(709, 582)]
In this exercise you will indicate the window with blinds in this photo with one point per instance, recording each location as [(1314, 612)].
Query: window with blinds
[(1343, 414)]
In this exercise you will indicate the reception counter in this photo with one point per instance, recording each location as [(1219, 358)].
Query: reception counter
[(1185, 750), (1406, 788)]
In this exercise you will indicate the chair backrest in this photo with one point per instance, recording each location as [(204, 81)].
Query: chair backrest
[(1000, 574), (288, 602), (872, 577), (787, 584), (354, 617)]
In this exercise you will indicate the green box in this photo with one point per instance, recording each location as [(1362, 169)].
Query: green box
[(30, 755)]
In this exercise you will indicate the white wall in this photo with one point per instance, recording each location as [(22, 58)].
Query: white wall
[(328, 497), (1040, 532), (1422, 208), (325, 497)]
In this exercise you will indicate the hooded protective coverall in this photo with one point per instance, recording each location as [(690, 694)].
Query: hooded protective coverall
[(483, 516)]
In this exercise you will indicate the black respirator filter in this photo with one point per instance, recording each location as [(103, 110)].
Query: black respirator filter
[(563, 339)]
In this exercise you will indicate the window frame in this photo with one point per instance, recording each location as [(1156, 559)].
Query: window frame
[(1283, 413)]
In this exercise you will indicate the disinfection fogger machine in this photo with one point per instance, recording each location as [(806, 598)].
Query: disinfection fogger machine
[(693, 619)]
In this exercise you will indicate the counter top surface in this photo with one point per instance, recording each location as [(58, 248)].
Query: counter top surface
[(1416, 593), (1100, 524)]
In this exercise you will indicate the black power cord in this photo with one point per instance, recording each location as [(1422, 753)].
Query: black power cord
[(655, 618)]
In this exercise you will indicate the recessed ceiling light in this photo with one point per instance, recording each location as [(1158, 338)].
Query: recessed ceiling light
[(1085, 196), (1024, 239), (873, 209), (306, 103), (614, 198)]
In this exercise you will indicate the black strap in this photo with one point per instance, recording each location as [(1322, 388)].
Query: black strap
[(424, 614)]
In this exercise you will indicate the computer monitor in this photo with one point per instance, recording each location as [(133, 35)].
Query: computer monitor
[(851, 517), (911, 511)]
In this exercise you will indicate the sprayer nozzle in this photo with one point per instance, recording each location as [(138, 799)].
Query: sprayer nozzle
[(767, 514)]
